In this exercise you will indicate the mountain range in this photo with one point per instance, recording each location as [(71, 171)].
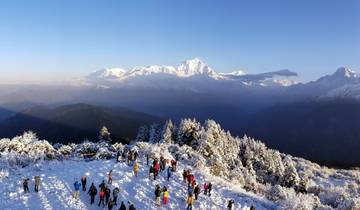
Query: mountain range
[(272, 106)]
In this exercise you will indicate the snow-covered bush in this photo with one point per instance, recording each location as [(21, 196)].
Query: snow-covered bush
[(26, 149), (334, 196), (87, 149), (4, 173), (66, 150)]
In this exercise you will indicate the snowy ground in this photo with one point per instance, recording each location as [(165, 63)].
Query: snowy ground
[(58, 178)]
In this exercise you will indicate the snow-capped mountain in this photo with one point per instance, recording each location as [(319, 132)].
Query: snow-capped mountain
[(195, 67), (341, 76), (189, 74), (110, 73), (234, 73)]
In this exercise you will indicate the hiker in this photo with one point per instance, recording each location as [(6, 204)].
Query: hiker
[(189, 202), (156, 169), (206, 187), (209, 188), (151, 171), (102, 195), (107, 195), (169, 173), (37, 183), (190, 178), (83, 182), (157, 195), (111, 204), (230, 204), (110, 178), (162, 163), (118, 155), (197, 192), (165, 196), (190, 190), (173, 165), (136, 154), (132, 207), (147, 159), (77, 186), (129, 158), (136, 168), (102, 186), (193, 183), (116, 192), (92, 192), (122, 206), (123, 155), (26, 185), (185, 173)]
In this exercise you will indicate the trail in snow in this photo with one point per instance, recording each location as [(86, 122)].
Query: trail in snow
[(57, 178)]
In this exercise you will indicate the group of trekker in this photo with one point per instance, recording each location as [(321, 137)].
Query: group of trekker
[(158, 165), (194, 189), (105, 198), (26, 184)]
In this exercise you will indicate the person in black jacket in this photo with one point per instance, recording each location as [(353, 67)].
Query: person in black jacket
[(26, 185), (107, 195), (197, 192), (209, 188), (131, 206), (92, 192), (157, 195), (122, 206), (102, 186), (83, 183), (230, 204)]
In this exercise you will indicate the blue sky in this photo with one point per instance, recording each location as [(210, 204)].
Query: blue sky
[(61, 39)]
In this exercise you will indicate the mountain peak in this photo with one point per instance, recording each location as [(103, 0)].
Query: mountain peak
[(107, 73), (195, 66), (345, 72)]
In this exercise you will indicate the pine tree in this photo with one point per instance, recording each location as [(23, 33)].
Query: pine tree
[(104, 134), (189, 132), (167, 132), (291, 177), (154, 133), (143, 134)]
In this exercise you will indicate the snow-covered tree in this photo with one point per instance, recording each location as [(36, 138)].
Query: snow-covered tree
[(189, 132), (143, 134), (104, 134), (155, 133), (291, 177), (167, 132)]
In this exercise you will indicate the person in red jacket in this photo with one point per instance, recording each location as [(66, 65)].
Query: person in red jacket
[(102, 196), (188, 178), (206, 188), (156, 168)]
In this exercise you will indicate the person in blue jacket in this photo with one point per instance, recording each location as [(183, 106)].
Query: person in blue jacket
[(77, 186), (190, 190), (169, 172)]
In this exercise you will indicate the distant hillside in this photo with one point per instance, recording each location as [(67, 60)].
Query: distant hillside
[(5, 113), (327, 132), (76, 122)]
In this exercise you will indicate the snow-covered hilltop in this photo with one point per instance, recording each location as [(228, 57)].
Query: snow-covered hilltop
[(242, 169)]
